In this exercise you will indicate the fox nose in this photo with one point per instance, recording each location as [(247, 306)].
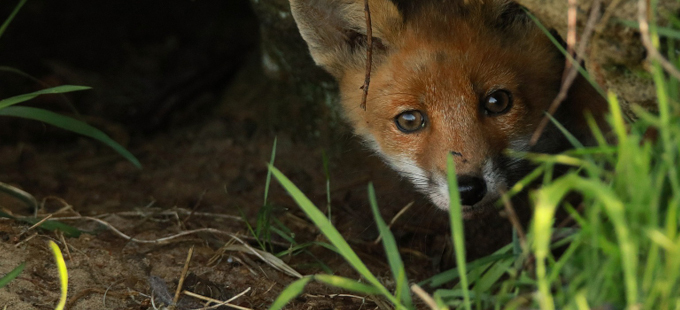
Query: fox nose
[(472, 189)]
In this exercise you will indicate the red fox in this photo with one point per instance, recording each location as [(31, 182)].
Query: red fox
[(470, 78)]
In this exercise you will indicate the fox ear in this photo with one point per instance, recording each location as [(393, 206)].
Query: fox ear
[(335, 30)]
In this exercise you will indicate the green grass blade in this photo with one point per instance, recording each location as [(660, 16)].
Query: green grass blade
[(264, 215), (544, 213), (347, 284), (11, 275), (26, 197), (37, 81), (391, 251), (53, 90), (662, 31), (492, 275), (63, 274), (70, 124), (51, 225), (452, 274), (263, 225), (327, 173), (250, 229), (618, 122), (456, 218), (302, 246), (474, 274), (289, 293), (68, 230), (11, 17), (330, 232), (283, 231), (574, 142), (269, 173)]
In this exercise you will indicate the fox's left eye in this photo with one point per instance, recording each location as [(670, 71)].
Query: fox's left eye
[(497, 102), (410, 121)]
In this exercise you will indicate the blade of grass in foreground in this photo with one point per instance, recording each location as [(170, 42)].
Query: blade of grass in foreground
[(63, 274), (456, 219), (11, 16), (11, 275), (392, 252), (53, 90), (452, 274), (289, 293), (331, 233), (70, 124), (269, 173), (347, 284), (51, 225), (25, 197)]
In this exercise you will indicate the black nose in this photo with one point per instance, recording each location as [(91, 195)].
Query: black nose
[(472, 189)]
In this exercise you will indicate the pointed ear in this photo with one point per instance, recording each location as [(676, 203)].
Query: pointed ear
[(335, 30)]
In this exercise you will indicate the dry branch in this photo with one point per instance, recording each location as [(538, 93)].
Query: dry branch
[(572, 66)]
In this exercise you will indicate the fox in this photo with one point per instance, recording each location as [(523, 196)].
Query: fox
[(470, 78)]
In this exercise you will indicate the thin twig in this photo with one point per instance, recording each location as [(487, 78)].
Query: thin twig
[(153, 241), (63, 240), (260, 254), (218, 302), (605, 18), (652, 52), (174, 211), (196, 205), (369, 54), (25, 240), (85, 292), (570, 218), (571, 28), (36, 225), (395, 218), (514, 220), (568, 80), (183, 275), (602, 24), (64, 203), (167, 239), (109, 288)]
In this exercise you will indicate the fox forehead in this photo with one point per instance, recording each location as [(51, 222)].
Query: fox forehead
[(431, 68), (446, 80)]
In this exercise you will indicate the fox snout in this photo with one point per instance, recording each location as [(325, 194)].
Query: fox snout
[(472, 189), (478, 192)]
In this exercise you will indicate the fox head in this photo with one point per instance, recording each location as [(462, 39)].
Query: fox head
[(469, 79)]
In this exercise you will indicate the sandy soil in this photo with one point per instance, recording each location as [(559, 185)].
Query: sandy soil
[(194, 177)]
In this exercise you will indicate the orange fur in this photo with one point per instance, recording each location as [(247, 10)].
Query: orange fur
[(443, 58)]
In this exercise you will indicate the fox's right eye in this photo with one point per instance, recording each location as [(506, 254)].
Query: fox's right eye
[(497, 102), (410, 121)]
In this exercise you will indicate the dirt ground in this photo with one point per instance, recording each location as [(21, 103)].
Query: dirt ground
[(204, 149), (194, 177)]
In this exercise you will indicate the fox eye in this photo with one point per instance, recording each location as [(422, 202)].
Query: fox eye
[(410, 121), (497, 102)]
